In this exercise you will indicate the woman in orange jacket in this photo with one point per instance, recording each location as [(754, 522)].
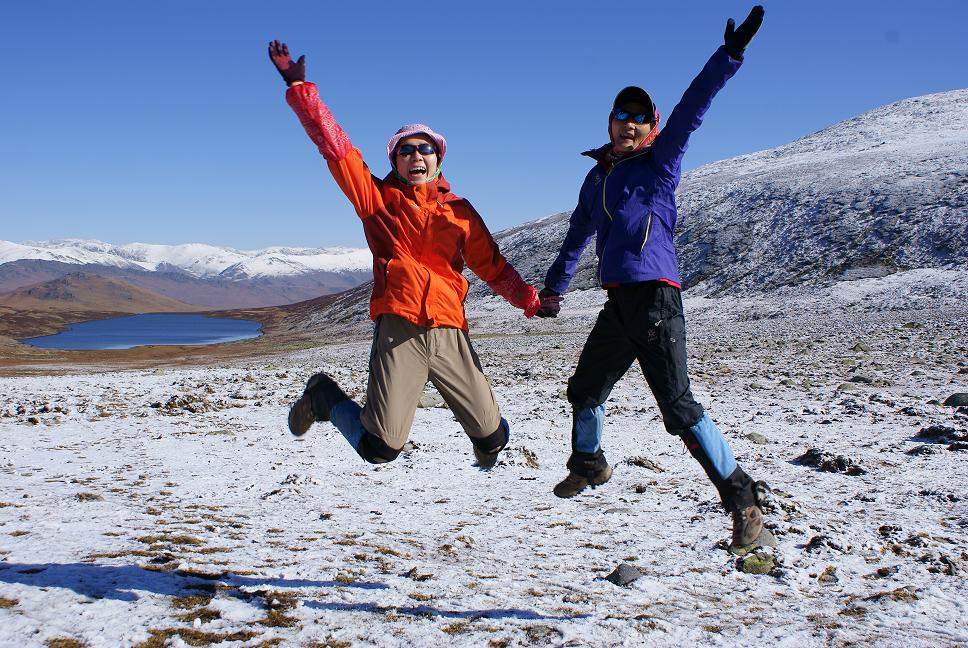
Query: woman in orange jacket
[(421, 234)]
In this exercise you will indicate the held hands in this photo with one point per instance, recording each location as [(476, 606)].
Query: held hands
[(738, 38), (550, 303), (291, 71)]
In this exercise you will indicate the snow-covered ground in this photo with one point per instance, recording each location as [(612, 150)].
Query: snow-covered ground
[(145, 507)]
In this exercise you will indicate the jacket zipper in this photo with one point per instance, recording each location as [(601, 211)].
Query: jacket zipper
[(601, 260), (648, 226)]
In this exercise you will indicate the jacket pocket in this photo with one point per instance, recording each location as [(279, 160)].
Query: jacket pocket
[(381, 269)]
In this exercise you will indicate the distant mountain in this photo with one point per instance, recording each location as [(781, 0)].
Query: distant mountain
[(82, 291), (204, 275), (880, 193)]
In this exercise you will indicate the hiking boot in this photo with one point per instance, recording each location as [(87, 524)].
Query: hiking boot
[(747, 525), (486, 460), (575, 483), (317, 399)]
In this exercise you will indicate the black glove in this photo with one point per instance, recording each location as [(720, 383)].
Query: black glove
[(550, 303), (290, 71), (738, 39)]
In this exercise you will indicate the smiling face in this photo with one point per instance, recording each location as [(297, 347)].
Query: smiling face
[(627, 136), (416, 167)]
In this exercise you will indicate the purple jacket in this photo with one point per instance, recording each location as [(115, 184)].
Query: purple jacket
[(632, 206)]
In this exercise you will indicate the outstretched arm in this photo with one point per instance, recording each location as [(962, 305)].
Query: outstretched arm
[(687, 116), (345, 162)]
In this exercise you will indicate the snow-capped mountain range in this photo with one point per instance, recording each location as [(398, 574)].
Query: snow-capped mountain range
[(196, 259), (202, 275)]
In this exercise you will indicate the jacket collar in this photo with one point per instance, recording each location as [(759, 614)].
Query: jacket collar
[(435, 191)]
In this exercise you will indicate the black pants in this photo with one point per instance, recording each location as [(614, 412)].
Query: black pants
[(643, 322)]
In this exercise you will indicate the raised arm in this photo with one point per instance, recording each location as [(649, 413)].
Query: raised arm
[(687, 116), (344, 161)]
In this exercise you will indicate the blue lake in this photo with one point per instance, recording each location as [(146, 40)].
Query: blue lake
[(154, 328)]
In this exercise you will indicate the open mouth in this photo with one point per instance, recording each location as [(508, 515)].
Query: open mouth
[(415, 171)]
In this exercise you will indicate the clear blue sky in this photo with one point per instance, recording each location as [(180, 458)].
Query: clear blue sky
[(164, 122)]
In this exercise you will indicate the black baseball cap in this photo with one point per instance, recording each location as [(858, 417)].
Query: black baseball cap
[(634, 94)]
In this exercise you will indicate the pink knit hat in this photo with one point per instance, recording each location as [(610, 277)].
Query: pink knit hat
[(408, 130)]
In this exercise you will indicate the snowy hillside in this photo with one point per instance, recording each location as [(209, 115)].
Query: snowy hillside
[(171, 507), (196, 259), (882, 192)]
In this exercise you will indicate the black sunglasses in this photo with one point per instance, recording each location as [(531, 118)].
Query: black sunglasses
[(624, 115), (410, 149)]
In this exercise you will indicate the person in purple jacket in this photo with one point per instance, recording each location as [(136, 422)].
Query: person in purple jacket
[(628, 202)]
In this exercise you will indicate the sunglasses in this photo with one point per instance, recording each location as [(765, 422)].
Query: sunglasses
[(410, 149), (624, 116)]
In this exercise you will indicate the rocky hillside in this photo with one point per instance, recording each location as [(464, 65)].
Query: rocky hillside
[(82, 291), (882, 192)]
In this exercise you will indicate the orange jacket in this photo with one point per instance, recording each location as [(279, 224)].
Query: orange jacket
[(420, 235)]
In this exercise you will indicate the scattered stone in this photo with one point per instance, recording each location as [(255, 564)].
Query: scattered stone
[(884, 572), (924, 450), (757, 438), (826, 462), (956, 400), (829, 576), (431, 400), (624, 574), (761, 562), (862, 347), (846, 387), (860, 378), (645, 462), (820, 541), (942, 434), (765, 539), (416, 575)]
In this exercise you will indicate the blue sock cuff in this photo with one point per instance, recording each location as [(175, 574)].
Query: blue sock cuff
[(714, 445), (588, 429), (345, 415)]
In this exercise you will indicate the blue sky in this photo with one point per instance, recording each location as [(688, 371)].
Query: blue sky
[(164, 122)]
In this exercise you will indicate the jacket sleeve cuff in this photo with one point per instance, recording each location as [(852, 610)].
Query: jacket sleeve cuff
[(329, 137), (513, 288)]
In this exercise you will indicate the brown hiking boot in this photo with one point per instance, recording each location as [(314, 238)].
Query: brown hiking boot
[(747, 525), (320, 395), (301, 415), (575, 483)]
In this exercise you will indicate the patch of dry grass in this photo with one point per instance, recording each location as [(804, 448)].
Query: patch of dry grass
[(61, 642), (204, 614), (7, 602), (192, 637)]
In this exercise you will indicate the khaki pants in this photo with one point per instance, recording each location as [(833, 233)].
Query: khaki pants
[(404, 357)]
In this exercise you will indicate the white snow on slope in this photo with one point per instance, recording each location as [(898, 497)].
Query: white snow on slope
[(117, 508)]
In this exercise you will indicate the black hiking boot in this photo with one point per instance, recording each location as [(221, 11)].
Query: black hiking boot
[(575, 483), (317, 399), (486, 460)]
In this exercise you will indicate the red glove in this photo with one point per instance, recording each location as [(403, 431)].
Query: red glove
[(291, 72), (513, 288)]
